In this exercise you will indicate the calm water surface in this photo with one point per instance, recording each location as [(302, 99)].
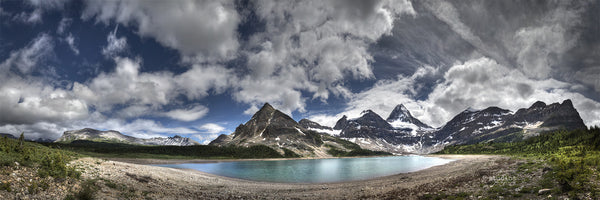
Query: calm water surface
[(315, 170)]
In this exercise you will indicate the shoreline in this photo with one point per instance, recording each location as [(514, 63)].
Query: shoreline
[(161, 182), (152, 161)]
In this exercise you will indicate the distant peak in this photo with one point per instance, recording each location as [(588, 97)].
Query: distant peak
[(538, 104)]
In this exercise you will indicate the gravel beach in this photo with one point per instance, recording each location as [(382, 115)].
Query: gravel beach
[(140, 180)]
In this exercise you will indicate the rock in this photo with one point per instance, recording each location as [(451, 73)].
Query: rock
[(544, 191)]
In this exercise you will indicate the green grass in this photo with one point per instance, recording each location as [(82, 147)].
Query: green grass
[(49, 161), (574, 157)]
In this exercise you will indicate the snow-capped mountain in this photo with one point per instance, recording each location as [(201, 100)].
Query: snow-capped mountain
[(277, 130), (116, 137), (403, 133), (371, 131), (401, 118), (496, 124)]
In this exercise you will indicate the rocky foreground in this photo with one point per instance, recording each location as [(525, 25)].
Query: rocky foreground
[(471, 177)]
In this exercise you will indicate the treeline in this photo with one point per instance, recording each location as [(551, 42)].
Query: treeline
[(543, 144), (573, 155), (100, 149)]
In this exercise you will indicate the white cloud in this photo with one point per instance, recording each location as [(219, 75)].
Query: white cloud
[(146, 93), (63, 25), (205, 139), (127, 86), (539, 48), (313, 46), (29, 57), (71, 42), (40, 6), (199, 30), (200, 79), (477, 83), (33, 17), (188, 115), (114, 45), (211, 128)]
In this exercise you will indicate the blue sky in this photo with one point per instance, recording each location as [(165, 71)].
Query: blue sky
[(200, 68)]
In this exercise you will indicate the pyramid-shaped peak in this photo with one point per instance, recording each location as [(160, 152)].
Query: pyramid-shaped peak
[(401, 107), (567, 102), (400, 112), (267, 106)]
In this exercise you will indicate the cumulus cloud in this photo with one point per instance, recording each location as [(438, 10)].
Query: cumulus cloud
[(199, 30), (477, 83), (126, 86), (145, 93), (209, 132), (31, 100), (211, 128), (199, 80), (114, 45), (313, 46), (26, 102), (187, 115)]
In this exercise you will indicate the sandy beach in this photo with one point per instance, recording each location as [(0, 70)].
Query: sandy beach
[(168, 183)]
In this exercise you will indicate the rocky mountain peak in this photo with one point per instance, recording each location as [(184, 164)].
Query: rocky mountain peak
[(275, 129), (537, 104), (341, 123), (399, 113), (400, 116)]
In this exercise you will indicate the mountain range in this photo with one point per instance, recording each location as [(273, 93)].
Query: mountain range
[(399, 133), (403, 133), (117, 137)]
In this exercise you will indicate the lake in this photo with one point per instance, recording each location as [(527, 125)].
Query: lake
[(315, 170)]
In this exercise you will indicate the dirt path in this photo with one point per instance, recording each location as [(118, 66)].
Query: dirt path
[(121, 180)]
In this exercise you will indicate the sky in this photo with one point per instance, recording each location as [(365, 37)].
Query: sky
[(151, 68)]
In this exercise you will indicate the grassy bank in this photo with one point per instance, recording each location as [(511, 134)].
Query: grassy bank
[(48, 161), (570, 159)]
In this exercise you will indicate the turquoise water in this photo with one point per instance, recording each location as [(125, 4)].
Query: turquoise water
[(315, 170)]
